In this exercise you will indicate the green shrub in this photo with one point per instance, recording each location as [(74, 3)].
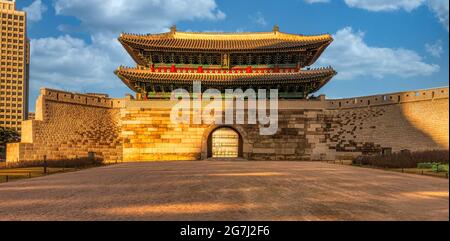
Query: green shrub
[(8, 135), (440, 167), (427, 165), (404, 159)]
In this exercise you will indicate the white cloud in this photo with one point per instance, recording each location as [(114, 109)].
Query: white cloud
[(139, 16), (385, 5), (435, 49), (69, 63), (440, 8), (259, 19), (35, 10), (353, 59)]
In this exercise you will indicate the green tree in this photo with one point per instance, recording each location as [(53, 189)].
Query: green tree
[(7, 135)]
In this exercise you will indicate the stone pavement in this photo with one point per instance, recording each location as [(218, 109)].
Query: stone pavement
[(224, 190)]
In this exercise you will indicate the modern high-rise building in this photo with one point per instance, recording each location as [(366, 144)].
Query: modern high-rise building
[(14, 65)]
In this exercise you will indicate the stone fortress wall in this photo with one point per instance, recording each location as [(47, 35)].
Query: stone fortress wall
[(415, 120), (70, 125)]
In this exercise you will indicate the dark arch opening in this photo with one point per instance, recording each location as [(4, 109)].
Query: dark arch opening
[(225, 142)]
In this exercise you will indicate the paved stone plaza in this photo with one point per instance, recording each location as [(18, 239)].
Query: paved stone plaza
[(226, 191)]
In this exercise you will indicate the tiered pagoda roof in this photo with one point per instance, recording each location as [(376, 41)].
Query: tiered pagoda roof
[(134, 77), (220, 60)]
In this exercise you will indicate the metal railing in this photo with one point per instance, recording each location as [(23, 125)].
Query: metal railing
[(16, 171)]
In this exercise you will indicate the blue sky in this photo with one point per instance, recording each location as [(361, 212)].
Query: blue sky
[(380, 45)]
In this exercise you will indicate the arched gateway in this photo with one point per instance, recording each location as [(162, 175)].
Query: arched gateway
[(225, 142)]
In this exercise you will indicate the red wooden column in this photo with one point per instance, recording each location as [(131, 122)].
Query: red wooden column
[(276, 69)]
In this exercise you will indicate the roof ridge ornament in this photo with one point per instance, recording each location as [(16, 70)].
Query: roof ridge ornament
[(276, 28), (173, 29)]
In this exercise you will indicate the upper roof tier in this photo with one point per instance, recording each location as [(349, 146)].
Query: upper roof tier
[(257, 42)]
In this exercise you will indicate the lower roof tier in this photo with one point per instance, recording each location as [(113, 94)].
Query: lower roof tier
[(305, 82)]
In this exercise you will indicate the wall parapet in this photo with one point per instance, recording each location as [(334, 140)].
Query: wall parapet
[(80, 99), (389, 99)]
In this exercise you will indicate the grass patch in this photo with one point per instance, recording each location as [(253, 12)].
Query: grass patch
[(30, 169)]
